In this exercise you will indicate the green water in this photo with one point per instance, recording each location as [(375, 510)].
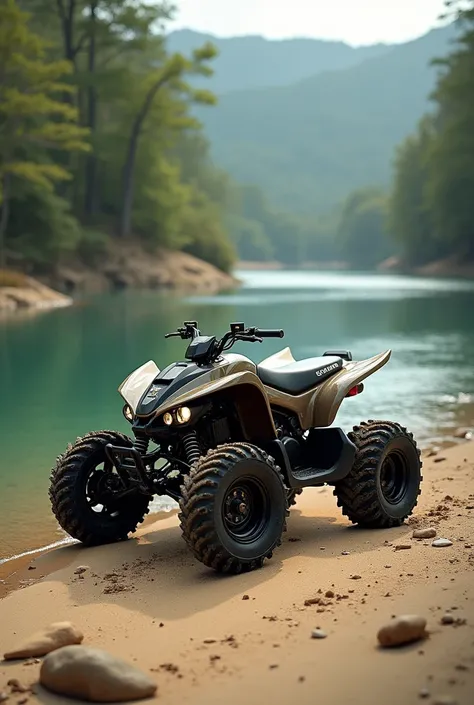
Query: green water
[(59, 371)]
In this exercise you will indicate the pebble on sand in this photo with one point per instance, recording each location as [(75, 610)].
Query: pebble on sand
[(424, 533), (318, 634), (81, 569), (402, 630), (94, 675), (441, 543), (444, 700), (403, 546), (447, 618), (49, 639)]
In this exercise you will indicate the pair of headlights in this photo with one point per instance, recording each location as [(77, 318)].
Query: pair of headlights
[(180, 416)]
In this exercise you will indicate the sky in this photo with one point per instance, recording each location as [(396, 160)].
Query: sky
[(354, 21)]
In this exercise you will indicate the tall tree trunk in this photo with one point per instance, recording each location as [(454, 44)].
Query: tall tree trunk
[(4, 218), (91, 163), (128, 179), (129, 168)]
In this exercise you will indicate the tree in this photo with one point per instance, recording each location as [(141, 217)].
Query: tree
[(166, 83), (410, 216), (450, 184), (33, 122), (363, 228)]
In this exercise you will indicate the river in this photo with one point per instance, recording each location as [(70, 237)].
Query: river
[(59, 371)]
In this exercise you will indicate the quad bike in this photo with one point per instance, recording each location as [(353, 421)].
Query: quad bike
[(234, 443)]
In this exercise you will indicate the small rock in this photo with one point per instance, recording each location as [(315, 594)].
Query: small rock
[(447, 618), (245, 597), (318, 634), (402, 630), (81, 569), (440, 459), (52, 637), (424, 533), (312, 601), (210, 641), (465, 433), (402, 546), (23, 701), (94, 675), (3, 696), (345, 553), (355, 577), (329, 593), (31, 567), (441, 543), (16, 686), (424, 693)]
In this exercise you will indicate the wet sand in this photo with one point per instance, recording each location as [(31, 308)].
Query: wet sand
[(248, 638)]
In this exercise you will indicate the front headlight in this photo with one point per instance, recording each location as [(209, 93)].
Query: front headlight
[(128, 413), (183, 414), (167, 418)]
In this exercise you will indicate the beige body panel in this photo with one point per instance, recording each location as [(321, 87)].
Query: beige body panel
[(284, 357), (235, 377), (318, 407), (136, 384)]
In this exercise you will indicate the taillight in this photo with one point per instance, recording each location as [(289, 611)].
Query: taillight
[(355, 390)]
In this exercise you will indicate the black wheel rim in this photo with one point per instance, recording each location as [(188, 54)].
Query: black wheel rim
[(101, 486), (394, 476), (246, 509)]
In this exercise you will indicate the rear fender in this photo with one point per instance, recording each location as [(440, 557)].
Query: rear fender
[(247, 393), (318, 407)]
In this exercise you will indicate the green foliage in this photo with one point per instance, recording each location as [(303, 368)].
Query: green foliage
[(102, 68), (362, 230), (41, 227), (431, 205)]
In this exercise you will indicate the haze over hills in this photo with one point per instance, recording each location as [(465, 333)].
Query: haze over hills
[(310, 143), (255, 62)]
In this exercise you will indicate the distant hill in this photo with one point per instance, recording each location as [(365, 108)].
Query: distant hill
[(307, 145), (255, 62)]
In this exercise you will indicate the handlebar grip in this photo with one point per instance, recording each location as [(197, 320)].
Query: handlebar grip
[(269, 333)]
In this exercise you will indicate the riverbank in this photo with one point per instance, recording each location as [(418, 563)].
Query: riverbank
[(124, 266), (208, 638), (20, 292), (129, 266)]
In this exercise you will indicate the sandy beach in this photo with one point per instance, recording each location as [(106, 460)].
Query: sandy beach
[(207, 638)]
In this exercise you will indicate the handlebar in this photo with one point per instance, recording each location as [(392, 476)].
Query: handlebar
[(269, 333), (215, 348)]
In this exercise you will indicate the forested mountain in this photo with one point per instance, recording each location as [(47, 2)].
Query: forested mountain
[(309, 144), (255, 62)]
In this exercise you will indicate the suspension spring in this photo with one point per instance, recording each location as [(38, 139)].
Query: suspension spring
[(191, 447), (141, 444)]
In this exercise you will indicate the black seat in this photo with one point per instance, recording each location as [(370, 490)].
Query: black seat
[(299, 377)]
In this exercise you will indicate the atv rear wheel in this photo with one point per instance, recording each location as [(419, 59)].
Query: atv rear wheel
[(383, 485), (233, 508), (84, 492)]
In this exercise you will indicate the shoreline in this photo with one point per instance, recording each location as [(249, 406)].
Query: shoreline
[(447, 268), (208, 638), (127, 266)]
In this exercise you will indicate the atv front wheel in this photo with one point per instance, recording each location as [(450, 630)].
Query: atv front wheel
[(233, 508), (84, 492), (383, 485)]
